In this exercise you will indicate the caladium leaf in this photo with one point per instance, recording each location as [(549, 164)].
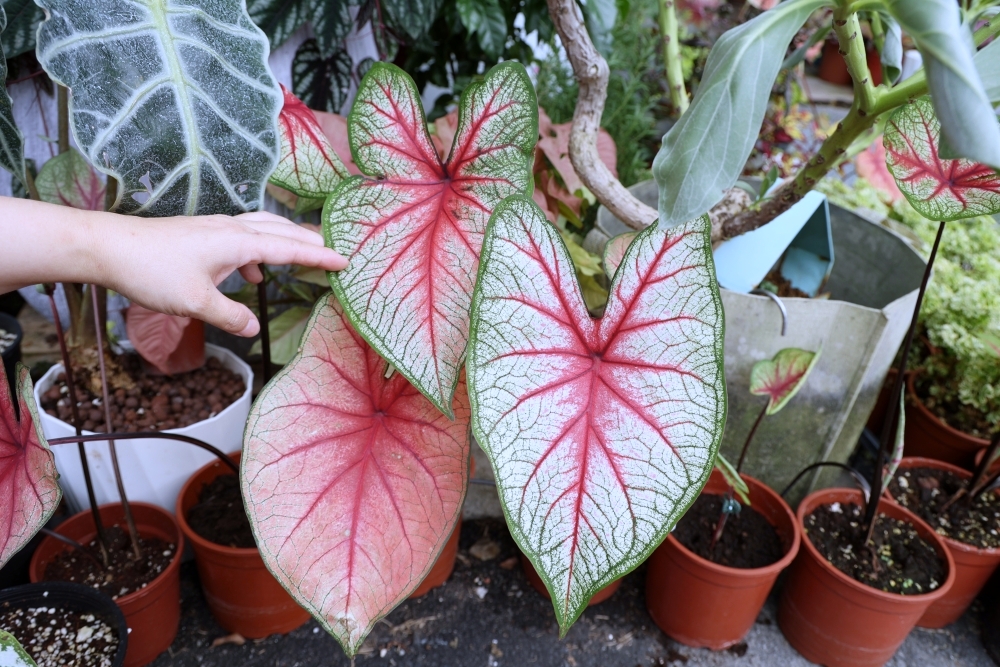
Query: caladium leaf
[(413, 225), (12, 654), (322, 82), (615, 251), (937, 188), (28, 487), (69, 180), (353, 482), (11, 141), (308, 166), (601, 432), (285, 333), (173, 98), (781, 378), (155, 336)]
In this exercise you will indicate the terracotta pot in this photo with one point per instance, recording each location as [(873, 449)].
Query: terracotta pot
[(973, 566), (243, 595), (929, 437), (152, 613), (539, 585), (704, 604), (836, 621), (993, 466), (445, 564), (833, 67)]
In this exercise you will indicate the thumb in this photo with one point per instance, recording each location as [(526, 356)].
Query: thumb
[(229, 316)]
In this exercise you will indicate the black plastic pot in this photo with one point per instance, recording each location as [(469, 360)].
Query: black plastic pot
[(75, 597), (12, 354)]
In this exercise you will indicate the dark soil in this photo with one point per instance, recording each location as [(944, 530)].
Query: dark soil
[(157, 403), (900, 562), (965, 418), (748, 539), (124, 574), (219, 516), (925, 490), (59, 637), (783, 287)]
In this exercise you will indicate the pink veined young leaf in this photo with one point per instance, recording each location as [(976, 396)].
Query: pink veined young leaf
[(353, 482), (614, 252), (601, 432), (781, 378), (28, 487), (69, 180), (937, 188), (413, 226), (308, 166), (154, 335)]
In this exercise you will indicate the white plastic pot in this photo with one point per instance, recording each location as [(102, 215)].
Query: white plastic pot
[(153, 470)]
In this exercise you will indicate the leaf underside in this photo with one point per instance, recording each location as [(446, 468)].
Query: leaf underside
[(69, 180), (11, 141), (154, 335), (29, 493), (413, 226), (353, 483), (938, 188), (601, 432), (781, 378), (173, 98)]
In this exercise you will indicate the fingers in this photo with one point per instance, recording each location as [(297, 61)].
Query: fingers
[(282, 250), (285, 229), (229, 316), (251, 273)]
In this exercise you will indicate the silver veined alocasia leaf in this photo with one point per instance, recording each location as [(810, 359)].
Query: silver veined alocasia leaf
[(614, 252), (69, 180), (781, 378), (172, 97), (308, 166), (968, 122), (353, 482), (12, 654), (938, 188), (29, 492), (11, 141), (413, 226), (601, 432), (23, 17), (704, 153)]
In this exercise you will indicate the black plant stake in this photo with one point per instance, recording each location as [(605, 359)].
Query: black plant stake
[(265, 334)]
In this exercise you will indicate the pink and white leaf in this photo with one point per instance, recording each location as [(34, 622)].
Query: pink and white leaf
[(353, 482), (335, 128), (601, 432), (413, 225), (614, 252), (69, 180), (308, 167), (28, 486), (154, 335), (781, 378), (939, 189)]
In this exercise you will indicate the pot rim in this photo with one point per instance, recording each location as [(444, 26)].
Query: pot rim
[(922, 462), (741, 572), (175, 562), (186, 527), (853, 496), (962, 435)]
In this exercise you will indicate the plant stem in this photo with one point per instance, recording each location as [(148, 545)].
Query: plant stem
[(62, 101), (730, 495), (897, 389), (852, 46), (110, 193), (150, 435), (746, 445), (106, 398), (265, 333), (672, 56), (76, 545), (29, 182), (978, 481), (102, 538)]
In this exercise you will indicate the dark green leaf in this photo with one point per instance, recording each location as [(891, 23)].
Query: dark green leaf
[(279, 19), (968, 122), (23, 19), (413, 17), (11, 141), (322, 83), (485, 19)]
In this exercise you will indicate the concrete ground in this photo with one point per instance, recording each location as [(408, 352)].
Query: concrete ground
[(512, 625)]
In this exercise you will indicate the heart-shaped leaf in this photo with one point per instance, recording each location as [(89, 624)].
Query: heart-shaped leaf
[(11, 141), (280, 19), (23, 18), (308, 166), (781, 378), (413, 226), (321, 81), (173, 98), (615, 251), (154, 335), (601, 432), (939, 189), (69, 180), (353, 482), (29, 493), (12, 654)]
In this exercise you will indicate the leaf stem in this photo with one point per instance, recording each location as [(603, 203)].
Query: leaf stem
[(672, 56), (265, 333), (62, 100), (149, 435), (852, 46), (753, 431)]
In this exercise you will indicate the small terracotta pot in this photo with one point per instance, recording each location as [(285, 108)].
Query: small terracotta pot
[(929, 437), (152, 613), (539, 585), (243, 595), (833, 67), (836, 621), (704, 604), (445, 564), (973, 566)]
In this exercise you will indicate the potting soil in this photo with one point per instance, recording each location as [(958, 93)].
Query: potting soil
[(748, 539), (60, 637), (124, 573), (156, 403), (900, 561), (219, 516), (924, 491)]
